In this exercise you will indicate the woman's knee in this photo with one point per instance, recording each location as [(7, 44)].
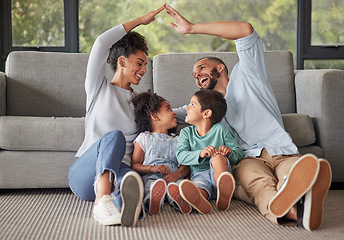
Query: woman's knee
[(115, 136), (114, 140)]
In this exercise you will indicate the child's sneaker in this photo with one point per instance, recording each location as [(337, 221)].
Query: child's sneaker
[(190, 193), (105, 212), (176, 199), (157, 196), (225, 190)]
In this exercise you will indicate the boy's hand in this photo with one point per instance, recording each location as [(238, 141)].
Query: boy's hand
[(224, 150), (163, 169), (208, 152)]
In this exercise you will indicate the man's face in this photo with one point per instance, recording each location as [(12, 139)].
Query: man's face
[(205, 74)]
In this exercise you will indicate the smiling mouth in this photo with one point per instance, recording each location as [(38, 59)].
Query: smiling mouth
[(203, 80)]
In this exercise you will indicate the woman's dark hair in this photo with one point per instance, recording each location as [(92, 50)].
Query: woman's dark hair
[(213, 100), (129, 44), (145, 104)]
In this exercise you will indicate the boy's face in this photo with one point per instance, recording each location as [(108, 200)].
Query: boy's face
[(193, 112)]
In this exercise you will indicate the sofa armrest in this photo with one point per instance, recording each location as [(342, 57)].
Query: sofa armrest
[(2, 94), (319, 94)]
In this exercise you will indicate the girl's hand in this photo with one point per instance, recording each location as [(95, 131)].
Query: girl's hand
[(163, 169), (171, 177), (182, 25), (224, 150), (150, 17), (208, 152)]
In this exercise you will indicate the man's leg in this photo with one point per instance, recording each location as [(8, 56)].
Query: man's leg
[(257, 183), (301, 177)]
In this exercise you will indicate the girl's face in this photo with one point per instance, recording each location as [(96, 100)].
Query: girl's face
[(135, 67), (193, 111), (167, 118)]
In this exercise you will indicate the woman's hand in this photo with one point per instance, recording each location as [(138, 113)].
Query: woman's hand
[(150, 17), (182, 25), (144, 20)]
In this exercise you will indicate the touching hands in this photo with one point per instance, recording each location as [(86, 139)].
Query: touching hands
[(181, 24), (212, 151)]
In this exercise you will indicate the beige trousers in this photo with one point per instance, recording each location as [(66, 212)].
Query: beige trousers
[(260, 178)]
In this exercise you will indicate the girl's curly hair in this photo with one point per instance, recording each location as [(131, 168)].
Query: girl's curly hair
[(145, 104), (129, 44)]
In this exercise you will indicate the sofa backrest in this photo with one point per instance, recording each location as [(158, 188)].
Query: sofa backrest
[(45, 84), (172, 76)]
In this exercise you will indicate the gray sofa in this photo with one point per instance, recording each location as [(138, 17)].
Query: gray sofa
[(42, 108)]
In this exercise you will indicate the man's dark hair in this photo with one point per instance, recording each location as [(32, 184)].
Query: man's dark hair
[(129, 44), (145, 104), (216, 61), (213, 100)]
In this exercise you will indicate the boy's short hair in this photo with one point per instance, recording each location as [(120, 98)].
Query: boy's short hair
[(213, 100)]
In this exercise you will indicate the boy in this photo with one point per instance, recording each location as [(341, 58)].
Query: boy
[(207, 147)]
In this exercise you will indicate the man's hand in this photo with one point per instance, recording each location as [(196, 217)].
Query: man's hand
[(182, 25)]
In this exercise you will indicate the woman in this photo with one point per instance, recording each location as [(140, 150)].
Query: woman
[(104, 157)]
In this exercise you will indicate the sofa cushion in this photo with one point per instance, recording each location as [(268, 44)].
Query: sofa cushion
[(300, 127), (41, 133)]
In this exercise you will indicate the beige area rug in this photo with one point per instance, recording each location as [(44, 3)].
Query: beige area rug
[(58, 214)]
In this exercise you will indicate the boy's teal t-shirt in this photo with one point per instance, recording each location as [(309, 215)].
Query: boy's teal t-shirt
[(191, 144)]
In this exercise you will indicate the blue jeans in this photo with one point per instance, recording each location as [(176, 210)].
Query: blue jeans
[(105, 154)]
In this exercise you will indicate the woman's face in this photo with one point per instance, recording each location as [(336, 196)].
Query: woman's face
[(135, 67)]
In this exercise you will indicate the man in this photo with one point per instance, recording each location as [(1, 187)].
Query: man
[(283, 184)]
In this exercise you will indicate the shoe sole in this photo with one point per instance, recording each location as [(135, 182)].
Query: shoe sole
[(132, 195), (108, 222), (191, 194), (225, 190), (301, 178), (173, 193), (318, 195), (157, 195)]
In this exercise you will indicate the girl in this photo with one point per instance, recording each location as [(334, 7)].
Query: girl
[(154, 153), (104, 156)]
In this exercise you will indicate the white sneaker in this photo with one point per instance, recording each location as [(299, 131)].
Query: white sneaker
[(105, 212)]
